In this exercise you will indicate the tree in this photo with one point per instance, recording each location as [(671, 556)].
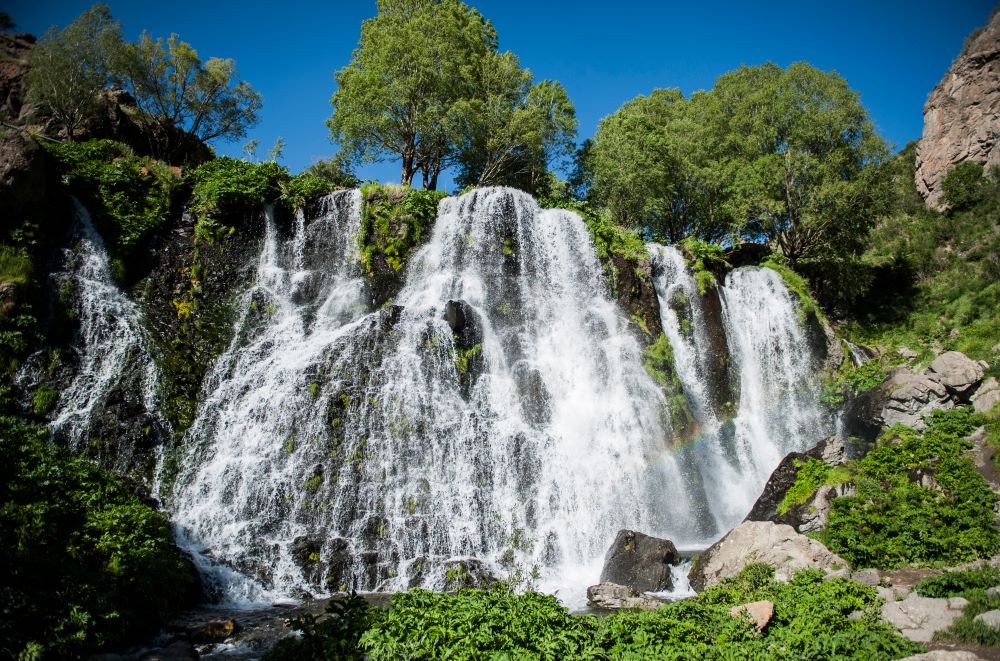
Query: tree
[(654, 167), (513, 129), (808, 166), (178, 93), (415, 61), (964, 185), (68, 68)]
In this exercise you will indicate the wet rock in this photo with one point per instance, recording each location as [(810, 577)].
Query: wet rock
[(614, 597), (919, 617), (179, 650), (215, 631), (762, 541), (631, 283), (989, 618), (468, 573), (956, 372), (339, 560), (639, 562), (759, 612), (467, 331), (305, 551), (535, 399)]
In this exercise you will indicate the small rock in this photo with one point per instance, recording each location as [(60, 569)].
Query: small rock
[(993, 592), (919, 617), (907, 353), (989, 618), (639, 562), (215, 631), (867, 576), (944, 655), (611, 596), (760, 612)]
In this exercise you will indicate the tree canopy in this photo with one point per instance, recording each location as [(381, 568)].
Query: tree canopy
[(789, 156), (428, 85)]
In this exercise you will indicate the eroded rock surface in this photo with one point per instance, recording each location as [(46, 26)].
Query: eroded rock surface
[(919, 617), (639, 562), (612, 596), (962, 114)]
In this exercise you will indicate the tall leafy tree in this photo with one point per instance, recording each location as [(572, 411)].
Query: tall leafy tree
[(178, 93), (416, 60), (68, 68), (808, 172), (513, 129)]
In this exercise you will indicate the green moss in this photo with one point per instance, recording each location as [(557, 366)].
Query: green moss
[(706, 260), (394, 221), (463, 357), (658, 360), (15, 266), (314, 482), (44, 400), (811, 475)]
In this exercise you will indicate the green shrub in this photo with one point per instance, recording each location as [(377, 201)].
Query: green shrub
[(958, 583), (334, 635), (963, 186), (394, 221), (15, 266), (298, 189), (852, 380), (894, 521), (44, 400), (811, 475), (233, 186), (127, 196), (706, 260), (611, 239), (966, 630), (86, 564)]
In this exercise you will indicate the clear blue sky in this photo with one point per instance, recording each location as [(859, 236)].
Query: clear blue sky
[(892, 52)]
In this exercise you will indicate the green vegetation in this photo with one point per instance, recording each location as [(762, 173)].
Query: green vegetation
[(127, 195), (812, 474), (958, 583), (235, 186), (15, 266), (462, 359), (44, 399), (658, 359), (808, 307), (964, 186), (394, 220), (705, 259), (86, 564), (428, 84), (971, 584), (936, 276), (810, 622), (894, 520), (851, 380)]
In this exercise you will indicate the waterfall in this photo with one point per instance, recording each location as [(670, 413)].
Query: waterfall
[(497, 418), (774, 408), (111, 352)]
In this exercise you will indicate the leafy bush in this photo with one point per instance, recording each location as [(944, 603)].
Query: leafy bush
[(811, 475), (706, 260), (893, 520), (127, 196), (334, 635), (303, 186), (233, 186), (394, 220), (963, 186), (15, 266), (958, 583), (611, 239), (810, 622), (852, 380), (86, 564)]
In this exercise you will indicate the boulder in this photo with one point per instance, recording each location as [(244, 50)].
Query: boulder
[(989, 618), (178, 650), (919, 617), (467, 573), (611, 596), (639, 562), (987, 396), (944, 655), (956, 372), (993, 592), (910, 396), (759, 612), (811, 515), (215, 631), (961, 114), (762, 541)]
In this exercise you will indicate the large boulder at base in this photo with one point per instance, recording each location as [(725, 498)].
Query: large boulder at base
[(639, 562), (811, 515), (611, 596), (958, 373), (774, 544), (962, 114), (919, 617)]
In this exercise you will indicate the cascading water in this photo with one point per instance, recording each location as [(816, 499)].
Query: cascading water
[(111, 349), (499, 411), (771, 374)]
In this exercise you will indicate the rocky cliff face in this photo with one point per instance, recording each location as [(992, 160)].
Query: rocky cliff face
[(962, 114)]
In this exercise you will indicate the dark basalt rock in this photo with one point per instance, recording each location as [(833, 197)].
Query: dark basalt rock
[(467, 333), (640, 562), (631, 284), (467, 573)]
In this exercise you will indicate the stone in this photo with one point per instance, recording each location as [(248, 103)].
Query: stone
[(813, 514), (987, 396), (910, 396), (958, 373), (989, 618), (993, 592), (759, 612), (612, 596), (944, 655), (762, 541), (467, 573), (962, 114), (919, 617), (907, 353), (215, 631), (639, 562), (867, 576)]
